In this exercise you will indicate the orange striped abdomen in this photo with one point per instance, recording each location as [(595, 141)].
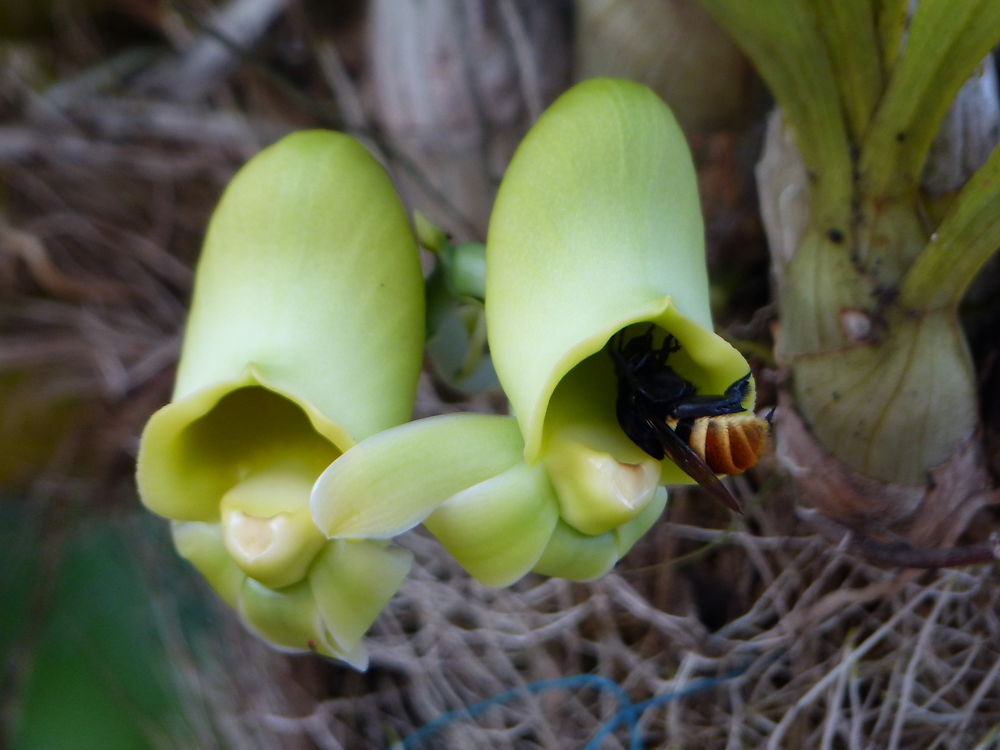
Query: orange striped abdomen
[(729, 444)]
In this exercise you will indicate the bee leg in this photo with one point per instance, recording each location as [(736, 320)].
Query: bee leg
[(693, 407), (739, 388), (639, 428), (662, 353), (644, 341)]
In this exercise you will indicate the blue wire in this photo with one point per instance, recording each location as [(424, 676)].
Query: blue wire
[(632, 712), (627, 711), (477, 709)]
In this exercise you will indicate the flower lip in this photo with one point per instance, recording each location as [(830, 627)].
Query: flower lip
[(267, 528), (597, 492), (193, 451), (533, 425), (587, 392)]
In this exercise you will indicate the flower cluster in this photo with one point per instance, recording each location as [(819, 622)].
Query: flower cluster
[(285, 460)]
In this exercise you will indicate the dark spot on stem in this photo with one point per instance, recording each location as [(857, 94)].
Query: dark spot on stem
[(835, 235)]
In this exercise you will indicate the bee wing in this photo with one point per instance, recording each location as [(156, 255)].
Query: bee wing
[(694, 465)]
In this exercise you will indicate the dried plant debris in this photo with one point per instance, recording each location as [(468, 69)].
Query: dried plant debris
[(109, 169), (830, 653)]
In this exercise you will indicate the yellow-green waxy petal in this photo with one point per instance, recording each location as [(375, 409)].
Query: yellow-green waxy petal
[(629, 533), (597, 226), (267, 528), (392, 481), (498, 528), (351, 582), (286, 617), (202, 545), (583, 557), (328, 611), (305, 336), (576, 556), (310, 273), (305, 331), (195, 450)]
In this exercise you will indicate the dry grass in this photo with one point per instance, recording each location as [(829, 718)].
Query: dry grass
[(109, 178), (830, 654)]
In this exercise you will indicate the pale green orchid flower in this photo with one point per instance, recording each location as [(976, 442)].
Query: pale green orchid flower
[(305, 336), (596, 229)]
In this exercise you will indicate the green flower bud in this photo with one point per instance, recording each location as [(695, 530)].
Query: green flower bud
[(304, 337)]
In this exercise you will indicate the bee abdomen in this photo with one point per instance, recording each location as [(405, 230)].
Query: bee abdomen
[(729, 444)]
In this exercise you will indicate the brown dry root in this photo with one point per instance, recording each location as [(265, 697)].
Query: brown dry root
[(900, 553), (829, 653), (886, 523)]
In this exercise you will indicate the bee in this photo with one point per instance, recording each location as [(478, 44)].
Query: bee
[(662, 413)]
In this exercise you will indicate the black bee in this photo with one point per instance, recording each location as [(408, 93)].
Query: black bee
[(663, 414)]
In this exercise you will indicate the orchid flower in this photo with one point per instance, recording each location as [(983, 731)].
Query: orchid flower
[(304, 337), (596, 229)]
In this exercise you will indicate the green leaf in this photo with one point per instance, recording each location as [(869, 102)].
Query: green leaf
[(849, 30), (968, 236), (945, 40), (97, 673), (784, 40)]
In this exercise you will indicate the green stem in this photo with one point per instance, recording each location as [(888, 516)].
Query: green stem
[(945, 42), (968, 236), (892, 15), (477, 346), (848, 28), (465, 266), (782, 39)]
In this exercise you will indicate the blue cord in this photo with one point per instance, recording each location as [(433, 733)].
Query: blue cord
[(632, 713), (627, 711), (477, 709)]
